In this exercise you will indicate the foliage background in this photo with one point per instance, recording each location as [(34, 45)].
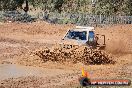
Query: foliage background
[(104, 7)]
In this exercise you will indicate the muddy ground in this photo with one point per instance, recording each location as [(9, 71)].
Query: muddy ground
[(20, 68)]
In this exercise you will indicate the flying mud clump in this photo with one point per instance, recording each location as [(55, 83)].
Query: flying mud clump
[(82, 54)]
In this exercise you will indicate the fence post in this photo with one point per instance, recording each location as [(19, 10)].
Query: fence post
[(100, 19), (131, 19)]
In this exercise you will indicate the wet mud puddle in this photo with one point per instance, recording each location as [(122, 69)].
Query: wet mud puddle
[(14, 71)]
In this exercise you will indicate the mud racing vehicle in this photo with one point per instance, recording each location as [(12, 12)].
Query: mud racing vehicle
[(83, 36), (80, 44)]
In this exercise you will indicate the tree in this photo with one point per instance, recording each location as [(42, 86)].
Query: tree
[(128, 9), (10, 4), (58, 5), (19, 3), (113, 7)]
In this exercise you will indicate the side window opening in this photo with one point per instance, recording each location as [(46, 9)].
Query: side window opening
[(91, 36)]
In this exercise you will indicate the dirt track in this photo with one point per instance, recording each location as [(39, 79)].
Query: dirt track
[(18, 41)]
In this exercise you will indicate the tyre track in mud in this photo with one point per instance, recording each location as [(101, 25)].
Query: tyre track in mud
[(12, 48), (41, 82)]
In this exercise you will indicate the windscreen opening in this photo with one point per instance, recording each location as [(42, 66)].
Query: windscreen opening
[(77, 35)]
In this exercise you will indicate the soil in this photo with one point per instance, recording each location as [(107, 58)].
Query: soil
[(19, 41)]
